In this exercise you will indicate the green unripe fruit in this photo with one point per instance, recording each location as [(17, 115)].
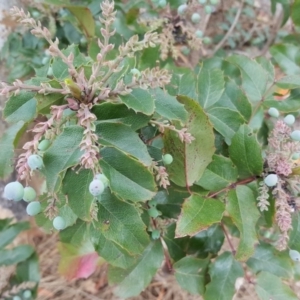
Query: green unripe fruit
[(202, 1), (153, 212), (27, 294), (296, 156), (50, 72), (45, 60), (152, 202), (295, 135), (206, 40), (35, 162), (29, 194), (83, 41), (271, 180), (199, 33), (195, 18), (214, 2), (36, 14), (294, 255), (289, 120), (59, 223), (16, 298), (14, 191), (273, 112), (208, 9), (33, 208), (185, 50), (181, 9), (135, 72), (155, 234), (44, 145), (167, 159), (96, 187), (162, 3), (102, 178)]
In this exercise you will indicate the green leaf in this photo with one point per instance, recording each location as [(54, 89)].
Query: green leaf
[(267, 258), (76, 235), (210, 86), (9, 234), (113, 253), (289, 82), (294, 241), (76, 187), (21, 107), (140, 101), (190, 160), (168, 107), (118, 112), (169, 201), (198, 214), (235, 99), (84, 18), (287, 56), (267, 66), (133, 280), (241, 207), (207, 242), (28, 270), (7, 149), (219, 174), (226, 121), (15, 255), (123, 138), (115, 217), (44, 102), (291, 104), (129, 179), (269, 286), (223, 273), (63, 153), (176, 246), (190, 273), (245, 152), (254, 77), (295, 12)]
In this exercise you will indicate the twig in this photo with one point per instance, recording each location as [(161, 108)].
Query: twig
[(229, 32), (228, 239)]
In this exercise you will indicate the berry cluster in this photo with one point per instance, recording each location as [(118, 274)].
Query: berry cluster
[(26, 295)]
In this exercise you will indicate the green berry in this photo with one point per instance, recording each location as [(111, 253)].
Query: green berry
[(152, 202), (96, 187), (202, 1), (29, 194), (167, 159), (195, 18), (59, 223), (33, 208), (50, 72), (295, 135), (271, 180), (44, 145), (273, 112), (36, 14), (14, 191), (45, 60), (102, 178), (83, 41), (16, 298), (181, 9), (35, 162), (153, 212), (135, 72), (206, 40), (214, 2), (289, 120), (27, 294), (208, 9), (199, 33), (155, 234), (294, 255), (185, 50), (295, 155), (162, 3)]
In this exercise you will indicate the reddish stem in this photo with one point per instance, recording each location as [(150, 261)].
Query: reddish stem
[(228, 239)]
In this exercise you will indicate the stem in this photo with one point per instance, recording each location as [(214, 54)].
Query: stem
[(167, 255), (228, 239), (229, 32), (232, 186)]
